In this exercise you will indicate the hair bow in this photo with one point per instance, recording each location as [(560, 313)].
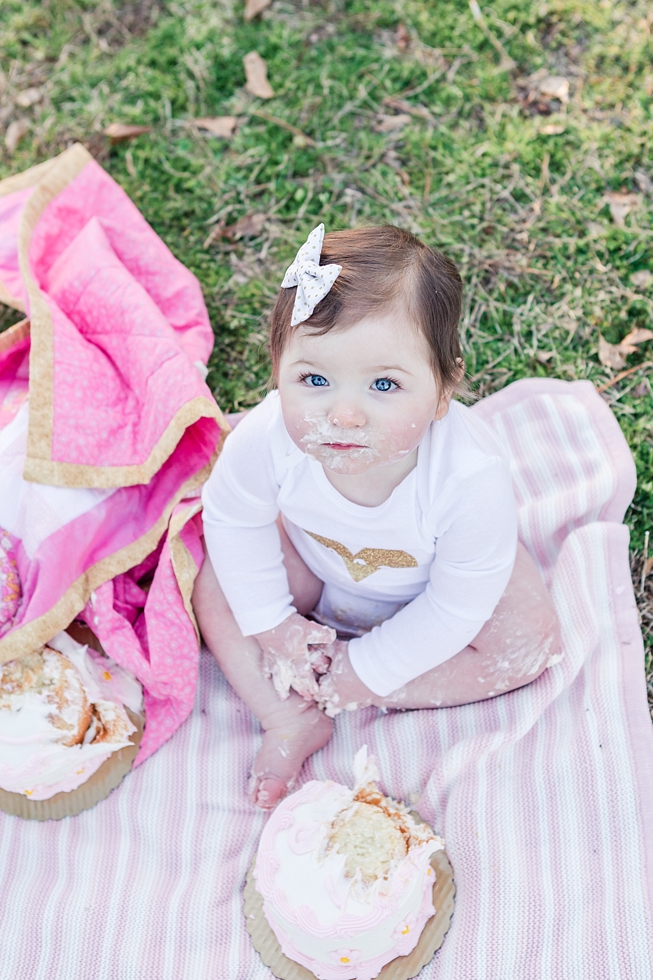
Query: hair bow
[(313, 280)]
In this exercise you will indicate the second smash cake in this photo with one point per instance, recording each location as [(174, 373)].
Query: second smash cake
[(345, 876)]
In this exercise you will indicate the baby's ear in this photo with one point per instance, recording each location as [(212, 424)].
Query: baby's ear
[(443, 406)]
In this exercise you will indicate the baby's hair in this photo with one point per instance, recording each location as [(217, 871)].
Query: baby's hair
[(384, 268)]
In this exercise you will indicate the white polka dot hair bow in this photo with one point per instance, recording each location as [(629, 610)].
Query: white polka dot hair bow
[(313, 280)]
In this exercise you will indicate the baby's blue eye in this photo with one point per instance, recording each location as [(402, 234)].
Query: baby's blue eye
[(383, 384), (315, 380)]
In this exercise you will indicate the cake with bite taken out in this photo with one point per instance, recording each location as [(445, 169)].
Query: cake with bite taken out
[(345, 876)]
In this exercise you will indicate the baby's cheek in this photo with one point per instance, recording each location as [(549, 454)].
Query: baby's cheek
[(398, 439)]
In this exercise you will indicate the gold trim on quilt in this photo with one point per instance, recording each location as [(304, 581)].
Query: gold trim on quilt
[(101, 477), (18, 182), (183, 563), (368, 560), (49, 179), (33, 635)]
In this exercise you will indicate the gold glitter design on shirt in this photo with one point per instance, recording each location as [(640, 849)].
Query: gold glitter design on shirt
[(368, 560)]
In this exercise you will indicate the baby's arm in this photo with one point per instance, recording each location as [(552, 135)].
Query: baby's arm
[(242, 539)]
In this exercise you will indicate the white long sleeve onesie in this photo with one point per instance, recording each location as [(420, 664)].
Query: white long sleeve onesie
[(417, 576)]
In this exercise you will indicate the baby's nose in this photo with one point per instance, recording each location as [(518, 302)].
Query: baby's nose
[(347, 416)]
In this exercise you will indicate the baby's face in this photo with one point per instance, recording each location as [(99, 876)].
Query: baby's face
[(359, 397)]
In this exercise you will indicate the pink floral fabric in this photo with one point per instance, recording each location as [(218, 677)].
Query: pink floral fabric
[(10, 591)]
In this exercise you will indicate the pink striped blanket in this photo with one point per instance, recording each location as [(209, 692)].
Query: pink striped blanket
[(107, 430), (544, 795)]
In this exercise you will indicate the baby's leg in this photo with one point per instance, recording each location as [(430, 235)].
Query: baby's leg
[(512, 649), (293, 729)]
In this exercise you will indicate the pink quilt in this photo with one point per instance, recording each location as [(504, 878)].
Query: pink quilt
[(544, 795), (107, 429)]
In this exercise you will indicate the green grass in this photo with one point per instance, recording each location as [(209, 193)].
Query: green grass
[(522, 212)]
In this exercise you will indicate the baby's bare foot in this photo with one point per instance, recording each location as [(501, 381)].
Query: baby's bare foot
[(290, 737)]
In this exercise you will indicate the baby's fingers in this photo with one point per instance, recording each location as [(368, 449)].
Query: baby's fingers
[(320, 634)]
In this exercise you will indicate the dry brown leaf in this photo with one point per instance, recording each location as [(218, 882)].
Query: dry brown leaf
[(222, 126), (643, 388), (15, 132), (643, 181), (555, 87), (543, 356), (117, 132), (390, 124), (254, 7), (647, 568), (256, 72), (28, 97), (552, 129), (642, 279), (402, 37), (620, 203), (247, 227), (637, 336), (611, 355)]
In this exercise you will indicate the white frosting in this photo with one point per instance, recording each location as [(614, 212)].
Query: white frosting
[(338, 926), (33, 760)]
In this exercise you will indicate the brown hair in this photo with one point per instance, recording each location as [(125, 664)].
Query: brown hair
[(383, 267)]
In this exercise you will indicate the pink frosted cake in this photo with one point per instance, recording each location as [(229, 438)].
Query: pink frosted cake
[(62, 715), (345, 876)]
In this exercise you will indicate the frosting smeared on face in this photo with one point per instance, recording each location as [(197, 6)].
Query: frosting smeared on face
[(360, 398)]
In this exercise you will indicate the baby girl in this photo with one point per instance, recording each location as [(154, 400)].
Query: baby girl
[(361, 525)]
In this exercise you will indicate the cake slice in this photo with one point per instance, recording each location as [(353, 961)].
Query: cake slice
[(345, 876)]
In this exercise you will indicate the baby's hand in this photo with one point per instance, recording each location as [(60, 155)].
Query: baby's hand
[(290, 658), (341, 689)]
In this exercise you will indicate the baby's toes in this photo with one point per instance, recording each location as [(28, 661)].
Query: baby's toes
[(266, 791)]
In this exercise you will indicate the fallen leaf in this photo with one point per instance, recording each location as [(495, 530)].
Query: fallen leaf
[(643, 388), (15, 132), (402, 37), (543, 356), (390, 124), (117, 132), (254, 7), (610, 355), (647, 567), (555, 87), (247, 227), (620, 203), (256, 73), (637, 336), (28, 97), (552, 129), (643, 181), (222, 126), (642, 279)]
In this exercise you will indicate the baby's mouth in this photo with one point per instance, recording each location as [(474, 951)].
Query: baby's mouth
[(343, 446)]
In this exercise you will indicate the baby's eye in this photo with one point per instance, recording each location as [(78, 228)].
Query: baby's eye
[(315, 380), (384, 384)]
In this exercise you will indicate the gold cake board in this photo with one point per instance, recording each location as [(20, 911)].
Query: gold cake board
[(97, 787), (402, 968)]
